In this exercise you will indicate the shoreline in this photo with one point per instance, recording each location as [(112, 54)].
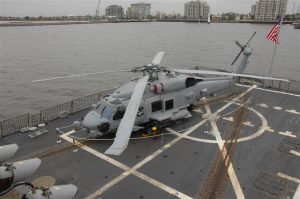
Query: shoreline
[(45, 23)]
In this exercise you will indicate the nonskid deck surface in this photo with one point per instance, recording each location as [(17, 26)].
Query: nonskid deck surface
[(266, 163)]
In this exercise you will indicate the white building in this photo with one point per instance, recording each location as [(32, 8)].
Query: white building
[(196, 10), (139, 11), (268, 10)]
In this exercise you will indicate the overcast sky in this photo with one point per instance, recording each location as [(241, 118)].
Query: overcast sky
[(83, 7)]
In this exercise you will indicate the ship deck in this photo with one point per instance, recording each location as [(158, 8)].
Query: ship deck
[(176, 165)]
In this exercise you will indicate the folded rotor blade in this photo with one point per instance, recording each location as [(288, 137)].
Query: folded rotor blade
[(157, 59), (205, 72), (79, 75), (126, 124)]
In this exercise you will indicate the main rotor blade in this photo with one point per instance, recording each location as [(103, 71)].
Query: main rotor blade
[(250, 38), (79, 75), (237, 56), (205, 72), (158, 57), (126, 124)]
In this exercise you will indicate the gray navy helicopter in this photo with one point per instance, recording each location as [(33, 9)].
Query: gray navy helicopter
[(161, 95)]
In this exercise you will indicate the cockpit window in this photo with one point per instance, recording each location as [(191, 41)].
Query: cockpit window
[(120, 113), (100, 106), (107, 112), (105, 109)]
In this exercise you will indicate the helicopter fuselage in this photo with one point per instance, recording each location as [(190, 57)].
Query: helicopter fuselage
[(166, 98)]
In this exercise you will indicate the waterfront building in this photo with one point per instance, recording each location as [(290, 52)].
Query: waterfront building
[(139, 11), (114, 11), (268, 10), (196, 10)]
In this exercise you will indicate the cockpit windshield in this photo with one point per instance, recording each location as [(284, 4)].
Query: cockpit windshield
[(107, 112), (105, 109), (100, 106)]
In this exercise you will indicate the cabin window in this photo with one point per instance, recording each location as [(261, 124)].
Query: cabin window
[(156, 106), (119, 114), (140, 111), (191, 82), (169, 104)]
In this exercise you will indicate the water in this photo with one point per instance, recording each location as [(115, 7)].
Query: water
[(29, 53)]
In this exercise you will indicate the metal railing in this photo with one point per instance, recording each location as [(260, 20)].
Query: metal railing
[(292, 86), (12, 125), (15, 124)]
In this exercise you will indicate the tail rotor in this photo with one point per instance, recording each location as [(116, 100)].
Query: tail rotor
[(242, 47)]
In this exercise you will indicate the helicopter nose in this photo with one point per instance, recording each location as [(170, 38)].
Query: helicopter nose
[(91, 120)]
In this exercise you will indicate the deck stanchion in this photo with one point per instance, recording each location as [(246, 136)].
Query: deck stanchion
[(74, 146), (1, 129), (58, 140), (162, 138)]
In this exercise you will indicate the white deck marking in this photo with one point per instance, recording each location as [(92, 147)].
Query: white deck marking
[(190, 137), (231, 173), (269, 129), (290, 178), (277, 108), (293, 179), (132, 170), (95, 152), (230, 119), (127, 171), (293, 111), (146, 160), (248, 123), (297, 193), (234, 99), (199, 110), (264, 127), (272, 91), (295, 152), (263, 105), (287, 133)]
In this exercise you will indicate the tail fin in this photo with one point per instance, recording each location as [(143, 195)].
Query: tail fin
[(240, 68), (246, 54)]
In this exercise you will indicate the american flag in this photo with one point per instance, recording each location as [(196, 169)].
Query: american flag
[(274, 34)]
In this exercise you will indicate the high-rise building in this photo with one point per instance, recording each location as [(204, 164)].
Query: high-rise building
[(139, 11), (253, 10), (196, 10), (268, 10), (114, 11)]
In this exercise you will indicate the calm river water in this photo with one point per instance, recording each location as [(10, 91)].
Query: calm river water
[(34, 52)]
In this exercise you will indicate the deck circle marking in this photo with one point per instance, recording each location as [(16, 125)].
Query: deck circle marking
[(258, 133)]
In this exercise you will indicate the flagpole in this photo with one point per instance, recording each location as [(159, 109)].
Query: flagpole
[(272, 61), (274, 51)]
